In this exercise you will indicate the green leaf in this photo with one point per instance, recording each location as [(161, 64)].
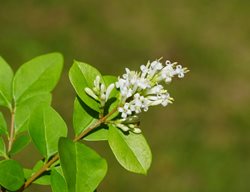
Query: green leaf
[(6, 76), (20, 143), (3, 125), (2, 148), (27, 173), (24, 109), (37, 76), (58, 183), (46, 127), (38, 166), (82, 167), (131, 150), (98, 134), (81, 76), (44, 179), (83, 116), (11, 175)]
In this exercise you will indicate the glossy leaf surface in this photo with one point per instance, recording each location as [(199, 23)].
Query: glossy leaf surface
[(130, 149), (82, 167), (46, 127), (11, 175), (37, 76), (6, 76)]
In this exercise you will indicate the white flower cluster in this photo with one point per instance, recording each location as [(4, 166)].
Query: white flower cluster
[(99, 92), (139, 90)]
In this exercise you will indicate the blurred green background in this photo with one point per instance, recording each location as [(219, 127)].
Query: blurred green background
[(202, 141)]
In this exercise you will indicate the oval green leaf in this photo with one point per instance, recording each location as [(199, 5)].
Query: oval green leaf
[(27, 173), (58, 183), (131, 150), (6, 76), (46, 127), (11, 175), (83, 116), (44, 179), (82, 167), (98, 134), (38, 75), (82, 75)]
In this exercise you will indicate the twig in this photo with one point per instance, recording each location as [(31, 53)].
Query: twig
[(56, 156)]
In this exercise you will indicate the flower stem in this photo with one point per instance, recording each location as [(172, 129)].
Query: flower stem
[(56, 157), (94, 125)]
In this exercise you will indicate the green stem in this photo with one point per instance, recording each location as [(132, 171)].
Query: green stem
[(12, 129), (94, 125), (56, 156)]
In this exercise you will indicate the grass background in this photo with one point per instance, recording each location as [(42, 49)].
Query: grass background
[(202, 141)]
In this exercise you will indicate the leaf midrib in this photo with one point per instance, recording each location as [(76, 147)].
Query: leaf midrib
[(45, 135)]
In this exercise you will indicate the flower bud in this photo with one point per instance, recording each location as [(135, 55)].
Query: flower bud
[(91, 93), (136, 130)]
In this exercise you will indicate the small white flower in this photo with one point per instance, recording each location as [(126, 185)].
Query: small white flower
[(99, 92), (156, 65), (167, 73), (125, 110), (136, 130), (90, 93), (180, 71), (144, 69), (128, 124), (97, 84), (143, 83), (102, 92), (108, 91), (166, 99), (157, 89), (123, 127)]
